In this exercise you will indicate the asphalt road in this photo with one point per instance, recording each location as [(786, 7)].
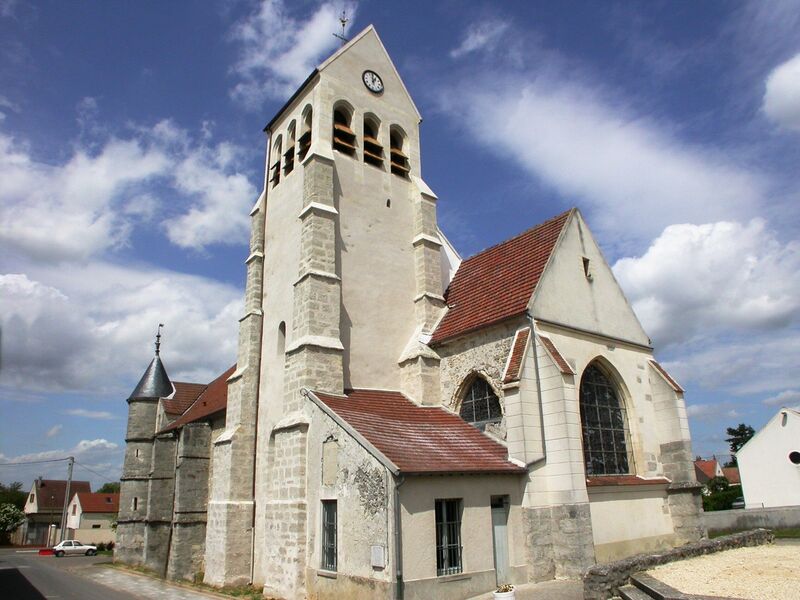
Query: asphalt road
[(34, 577)]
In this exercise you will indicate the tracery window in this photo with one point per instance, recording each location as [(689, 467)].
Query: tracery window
[(481, 405), (604, 424)]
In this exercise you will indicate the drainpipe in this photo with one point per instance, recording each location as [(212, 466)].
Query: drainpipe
[(538, 388), (398, 539)]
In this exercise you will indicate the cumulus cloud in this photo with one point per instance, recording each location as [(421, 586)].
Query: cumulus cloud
[(713, 277), (279, 50), (480, 36), (90, 328), (784, 398), (54, 431), (90, 203), (594, 149), (782, 96), (103, 415)]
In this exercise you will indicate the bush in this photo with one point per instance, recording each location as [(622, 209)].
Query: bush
[(110, 546), (722, 500), (101, 547)]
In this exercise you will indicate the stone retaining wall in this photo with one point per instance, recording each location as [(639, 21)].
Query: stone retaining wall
[(741, 519), (603, 581)]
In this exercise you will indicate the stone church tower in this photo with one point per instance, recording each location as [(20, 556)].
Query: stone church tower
[(344, 238)]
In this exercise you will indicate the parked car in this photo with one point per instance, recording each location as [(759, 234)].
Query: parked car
[(738, 503), (74, 547)]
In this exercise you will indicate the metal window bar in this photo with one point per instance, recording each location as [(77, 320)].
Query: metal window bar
[(329, 535), (448, 537), (481, 405)]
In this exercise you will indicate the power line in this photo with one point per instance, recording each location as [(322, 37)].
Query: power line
[(104, 475), (32, 462)]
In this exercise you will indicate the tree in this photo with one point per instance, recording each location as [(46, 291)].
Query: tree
[(109, 488), (738, 437), (10, 518), (13, 494)]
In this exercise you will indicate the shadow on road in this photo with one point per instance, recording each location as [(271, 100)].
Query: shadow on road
[(14, 585)]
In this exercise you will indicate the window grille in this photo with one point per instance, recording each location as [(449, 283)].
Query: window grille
[(481, 405), (604, 425), (329, 535), (448, 537)]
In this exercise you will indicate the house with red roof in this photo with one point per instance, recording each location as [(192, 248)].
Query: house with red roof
[(91, 517), (402, 422), (44, 510)]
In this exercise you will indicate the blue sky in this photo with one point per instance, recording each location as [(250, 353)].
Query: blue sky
[(131, 152)]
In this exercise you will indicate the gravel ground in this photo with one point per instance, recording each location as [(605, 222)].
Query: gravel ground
[(770, 572)]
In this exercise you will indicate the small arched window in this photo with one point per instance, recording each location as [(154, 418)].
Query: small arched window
[(275, 176), (344, 138), (399, 159), (304, 141), (373, 151), (480, 404), (604, 424), (288, 156)]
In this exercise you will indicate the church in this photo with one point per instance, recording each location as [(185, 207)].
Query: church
[(401, 422)]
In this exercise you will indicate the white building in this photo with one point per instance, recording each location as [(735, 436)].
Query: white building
[(90, 517), (769, 464)]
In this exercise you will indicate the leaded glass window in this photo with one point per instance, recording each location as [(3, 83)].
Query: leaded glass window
[(481, 405), (448, 536), (604, 424)]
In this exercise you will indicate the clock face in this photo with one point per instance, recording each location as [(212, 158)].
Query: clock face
[(373, 81)]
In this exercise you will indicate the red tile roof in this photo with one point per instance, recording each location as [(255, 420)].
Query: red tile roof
[(99, 503), (184, 397), (732, 475), (705, 469), (50, 493), (498, 283), (517, 352), (605, 480), (419, 439), (214, 399), (557, 357), (663, 372)]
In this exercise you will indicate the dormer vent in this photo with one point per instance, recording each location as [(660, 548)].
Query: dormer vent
[(344, 138)]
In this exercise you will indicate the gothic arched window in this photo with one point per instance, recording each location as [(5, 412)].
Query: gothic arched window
[(480, 404), (604, 425)]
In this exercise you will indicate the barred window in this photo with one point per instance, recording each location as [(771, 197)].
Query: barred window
[(448, 537), (329, 535), (481, 405), (604, 424)]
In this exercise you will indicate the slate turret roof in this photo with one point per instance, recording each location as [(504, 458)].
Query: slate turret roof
[(154, 383)]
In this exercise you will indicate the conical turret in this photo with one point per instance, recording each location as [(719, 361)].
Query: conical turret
[(155, 382)]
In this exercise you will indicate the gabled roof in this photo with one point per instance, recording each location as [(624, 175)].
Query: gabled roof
[(557, 357), (498, 283), (418, 439), (50, 493), (514, 367), (705, 469), (667, 377), (732, 475), (154, 383), (213, 400), (184, 397), (99, 503)]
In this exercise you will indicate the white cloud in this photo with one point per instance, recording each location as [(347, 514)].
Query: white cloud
[(633, 174), (278, 51), (785, 398), (480, 36), (782, 96), (89, 414), (54, 431), (715, 277), (90, 328), (712, 412)]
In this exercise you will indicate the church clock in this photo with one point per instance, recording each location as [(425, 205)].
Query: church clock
[(373, 81)]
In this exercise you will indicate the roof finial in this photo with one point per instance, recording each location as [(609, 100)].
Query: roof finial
[(343, 20), (158, 338)]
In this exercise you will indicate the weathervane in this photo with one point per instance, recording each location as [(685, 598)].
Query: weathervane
[(343, 20), (158, 338)]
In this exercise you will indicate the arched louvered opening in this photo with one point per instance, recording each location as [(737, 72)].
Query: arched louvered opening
[(344, 138), (373, 151), (304, 141), (288, 155), (604, 424), (398, 158), (275, 169)]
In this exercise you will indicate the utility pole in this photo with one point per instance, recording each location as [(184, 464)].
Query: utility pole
[(66, 498)]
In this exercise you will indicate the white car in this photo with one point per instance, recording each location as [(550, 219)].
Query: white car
[(73, 547)]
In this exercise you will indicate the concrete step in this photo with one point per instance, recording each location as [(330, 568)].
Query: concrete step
[(655, 589), (631, 592)]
